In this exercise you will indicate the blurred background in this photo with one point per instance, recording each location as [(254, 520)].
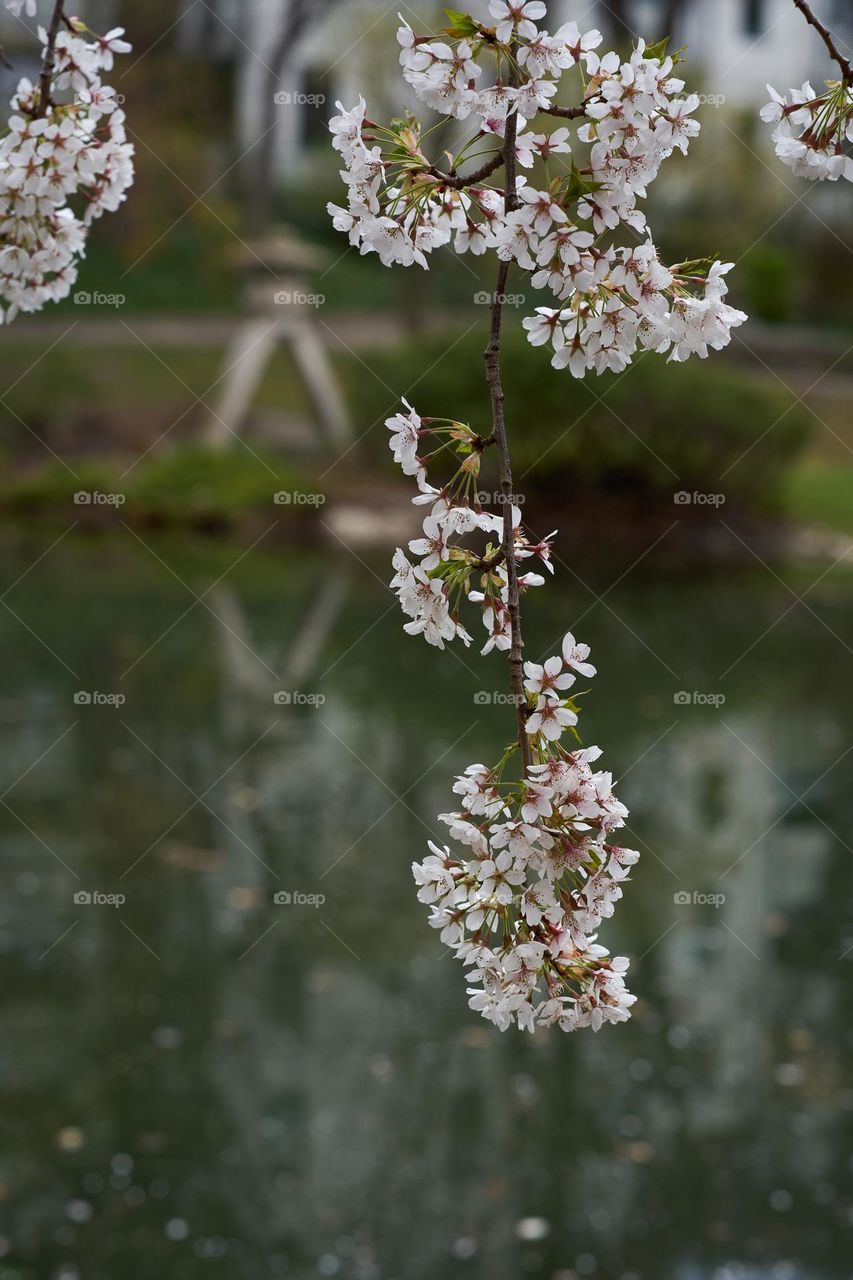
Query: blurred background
[(231, 1044)]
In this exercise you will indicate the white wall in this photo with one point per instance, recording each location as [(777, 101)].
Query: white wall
[(740, 66)]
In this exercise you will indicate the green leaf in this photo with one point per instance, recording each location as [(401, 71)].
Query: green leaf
[(697, 266), (463, 24), (577, 186), (657, 52)]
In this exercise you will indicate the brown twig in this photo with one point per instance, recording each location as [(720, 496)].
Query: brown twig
[(49, 59), (828, 39), (461, 182), (490, 562), (566, 113), (496, 392)]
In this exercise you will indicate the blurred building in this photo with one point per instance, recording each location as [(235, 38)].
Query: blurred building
[(735, 48)]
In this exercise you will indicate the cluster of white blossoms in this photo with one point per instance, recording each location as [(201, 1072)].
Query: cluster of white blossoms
[(812, 130), (64, 161), (631, 116), (520, 903), (536, 869), (450, 571)]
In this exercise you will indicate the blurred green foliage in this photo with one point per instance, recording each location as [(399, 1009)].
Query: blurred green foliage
[(186, 487), (195, 484), (821, 493), (656, 428)]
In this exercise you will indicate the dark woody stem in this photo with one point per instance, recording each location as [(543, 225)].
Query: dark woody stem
[(49, 60), (496, 392), (565, 113), (826, 35), (461, 183)]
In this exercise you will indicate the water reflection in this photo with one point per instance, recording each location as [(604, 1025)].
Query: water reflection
[(201, 1081)]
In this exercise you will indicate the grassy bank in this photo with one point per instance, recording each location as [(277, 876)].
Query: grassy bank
[(659, 429)]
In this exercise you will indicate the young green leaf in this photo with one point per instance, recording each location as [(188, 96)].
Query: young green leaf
[(463, 24)]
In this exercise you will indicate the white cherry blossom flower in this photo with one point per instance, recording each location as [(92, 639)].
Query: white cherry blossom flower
[(575, 656), (111, 44), (437, 885), (433, 546), (404, 440), (521, 15), (551, 719), (534, 96), (580, 46), (547, 678)]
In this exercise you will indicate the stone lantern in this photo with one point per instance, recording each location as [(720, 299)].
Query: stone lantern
[(280, 306)]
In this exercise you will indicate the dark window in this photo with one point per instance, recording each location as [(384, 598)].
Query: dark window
[(753, 18), (315, 107)]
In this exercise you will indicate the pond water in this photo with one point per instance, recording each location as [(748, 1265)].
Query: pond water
[(201, 1081)]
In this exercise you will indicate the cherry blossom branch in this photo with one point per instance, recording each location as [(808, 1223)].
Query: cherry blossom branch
[(83, 157), (496, 392), (520, 904), (49, 60), (826, 35)]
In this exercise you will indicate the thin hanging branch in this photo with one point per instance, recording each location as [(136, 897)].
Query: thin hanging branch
[(828, 39), (49, 60), (496, 392)]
